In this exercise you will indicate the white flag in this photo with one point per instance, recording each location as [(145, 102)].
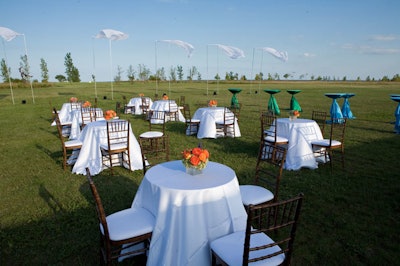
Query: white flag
[(187, 46), (281, 55), (232, 52), (8, 34), (113, 35)]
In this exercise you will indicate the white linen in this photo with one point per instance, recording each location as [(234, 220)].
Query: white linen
[(92, 136), (64, 114), (163, 105), (300, 133), (190, 211), (208, 117), (137, 102)]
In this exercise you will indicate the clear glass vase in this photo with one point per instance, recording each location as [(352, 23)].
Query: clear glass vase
[(193, 171)]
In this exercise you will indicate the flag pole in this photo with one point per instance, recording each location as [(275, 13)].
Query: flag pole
[(207, 67), (111, 69), (29, 77), (259, 84), (94, 70), (155, 47), (251, 75)]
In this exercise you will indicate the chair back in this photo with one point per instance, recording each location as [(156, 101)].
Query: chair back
[(268, 127), (186, 112), (88, 115), (145, 105), (101, 215), (76, 105), (229, 117), (63, 132), (320, 118), (157, 121), (182, 100), (154, 151), (269, 168), (118, 134), (279, 222), (337, 130), (236, 110)]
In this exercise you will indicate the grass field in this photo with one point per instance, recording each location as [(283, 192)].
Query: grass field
[(350, 217)]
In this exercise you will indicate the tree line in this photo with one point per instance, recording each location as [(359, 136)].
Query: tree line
[(143, 73)]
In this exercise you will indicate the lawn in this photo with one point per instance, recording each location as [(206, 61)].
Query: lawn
[(349, 217)]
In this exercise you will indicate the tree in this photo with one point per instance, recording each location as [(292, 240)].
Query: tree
[(179, 69), (24, 68), (71, 71), (44, 70), (286, 76), (61, 78), (5, 71), (172, 73), (131, 73), (160, 74), (143, 72), (192, 73), (117, 78)]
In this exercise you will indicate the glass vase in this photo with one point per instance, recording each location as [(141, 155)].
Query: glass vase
[(193, 171)]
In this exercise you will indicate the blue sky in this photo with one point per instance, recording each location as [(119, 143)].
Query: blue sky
[(335, 38)]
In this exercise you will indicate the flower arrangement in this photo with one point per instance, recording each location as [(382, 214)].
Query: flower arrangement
[(212, 103), (73, 100), (294, 113), (141, 94), (195, 158), (165, 97), (86, 104), (110, 114)]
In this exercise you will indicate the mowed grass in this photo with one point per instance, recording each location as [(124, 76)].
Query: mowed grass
[(350, 217)]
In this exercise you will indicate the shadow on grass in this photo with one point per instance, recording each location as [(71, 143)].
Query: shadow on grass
[(68, 234)]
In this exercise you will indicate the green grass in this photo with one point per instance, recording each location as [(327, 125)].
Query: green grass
[(349, 217)]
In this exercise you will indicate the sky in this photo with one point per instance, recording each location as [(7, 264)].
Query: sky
[(327, 38)]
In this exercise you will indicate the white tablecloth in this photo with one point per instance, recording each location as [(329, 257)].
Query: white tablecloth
[(190, 211), (76, 122), (300, 133), (137, 102), (163, 105), (92, 136), (208, 117), (64, 114)]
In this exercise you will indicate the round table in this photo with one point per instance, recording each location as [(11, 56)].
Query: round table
[(294, 104), (234, 100), (300, 133), (396, 98), (347, 113), (190, 211), (336, 112), (272, 103)]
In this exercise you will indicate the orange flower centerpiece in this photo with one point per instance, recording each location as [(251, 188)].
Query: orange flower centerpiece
[(86, 104), (110, 114), (73, 100), (195, 160), (293, 114), (212, 103), (165, 97), (141, 94)]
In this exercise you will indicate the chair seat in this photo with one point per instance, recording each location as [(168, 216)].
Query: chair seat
[(255, 194), (151, 134), (325, 143), (278, 139), (119, 146), (73, 143), (129, 223), (230, 249)]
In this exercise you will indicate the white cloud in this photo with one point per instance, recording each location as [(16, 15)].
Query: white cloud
[(385, 38), (366, 49), (308, 54)]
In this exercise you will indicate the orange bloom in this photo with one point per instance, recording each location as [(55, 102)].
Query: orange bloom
[(194, 160), (186, 154), (207, 154), (212, 103), (197, 151), (203, 157), (165, 97)]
